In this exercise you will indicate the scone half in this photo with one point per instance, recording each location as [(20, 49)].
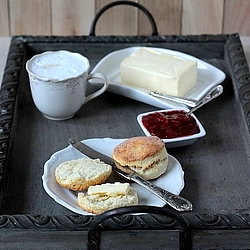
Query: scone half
[(100, 202), (81, 173), (146, 155)]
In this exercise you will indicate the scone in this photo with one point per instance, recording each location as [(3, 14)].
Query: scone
[(101, 198), (81, 173), (146, 155)]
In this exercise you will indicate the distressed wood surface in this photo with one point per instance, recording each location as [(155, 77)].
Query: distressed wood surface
[(202, 16), (4, 20), (71, 17), (30, 17), (63, 17), (132, 240), (117, 20), (167, 15), (237, 18)]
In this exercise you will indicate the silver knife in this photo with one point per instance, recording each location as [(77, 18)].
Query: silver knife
[(175, 201)]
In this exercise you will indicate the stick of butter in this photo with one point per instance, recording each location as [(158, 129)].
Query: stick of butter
[(151, 70), (109, 189)]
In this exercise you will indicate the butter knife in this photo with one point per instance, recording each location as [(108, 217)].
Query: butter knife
[(175, 201)]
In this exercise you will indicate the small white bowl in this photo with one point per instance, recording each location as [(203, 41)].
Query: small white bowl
[(174, 142)]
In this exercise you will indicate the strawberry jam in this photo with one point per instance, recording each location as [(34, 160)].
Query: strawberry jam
[(170, 124)]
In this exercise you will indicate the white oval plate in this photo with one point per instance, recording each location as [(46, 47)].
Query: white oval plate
[(208, 77), (172, 180)]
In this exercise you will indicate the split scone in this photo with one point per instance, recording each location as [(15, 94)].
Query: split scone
[(101, 198), (146, 155), (81, 173)]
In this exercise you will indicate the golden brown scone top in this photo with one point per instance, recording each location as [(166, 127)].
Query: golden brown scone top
[(137, 148)]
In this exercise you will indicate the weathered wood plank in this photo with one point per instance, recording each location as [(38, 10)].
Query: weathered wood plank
[(72, 17), (167, 15), (30, 17), (62, 17), (202, 16), (237, 17), (119, 20), (4, 18)]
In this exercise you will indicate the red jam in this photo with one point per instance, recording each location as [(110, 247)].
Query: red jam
[(170, 124)]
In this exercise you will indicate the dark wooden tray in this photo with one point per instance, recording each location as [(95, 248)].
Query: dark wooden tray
[(217, 170)]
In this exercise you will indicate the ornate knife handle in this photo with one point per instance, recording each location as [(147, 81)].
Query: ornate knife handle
[(175, 201)]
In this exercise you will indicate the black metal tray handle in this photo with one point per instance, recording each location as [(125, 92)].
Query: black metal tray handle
[(95, 228), (110, 5)]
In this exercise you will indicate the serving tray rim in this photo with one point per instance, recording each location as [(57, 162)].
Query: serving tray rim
[(17, 53)]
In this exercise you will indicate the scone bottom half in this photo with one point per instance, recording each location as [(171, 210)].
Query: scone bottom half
[(108, 196)]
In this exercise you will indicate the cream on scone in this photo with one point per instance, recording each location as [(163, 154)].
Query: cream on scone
[(146, 155), (101, 198), (81, 173)]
